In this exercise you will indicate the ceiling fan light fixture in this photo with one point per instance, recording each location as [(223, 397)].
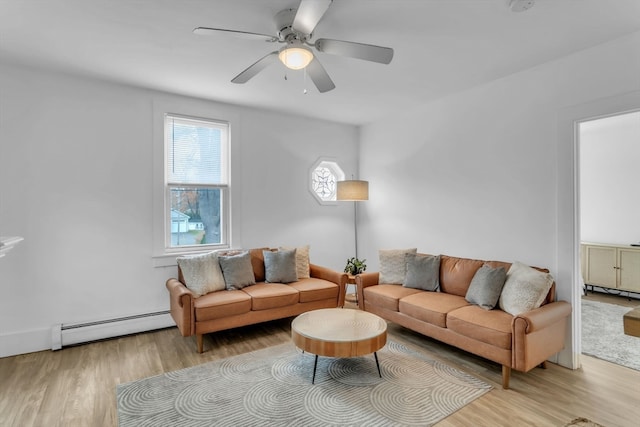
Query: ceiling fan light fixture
[(296, 56)]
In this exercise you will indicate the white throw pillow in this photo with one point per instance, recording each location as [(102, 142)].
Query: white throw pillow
[(302, 260), (393, 266), (525, 289), (202, 273)]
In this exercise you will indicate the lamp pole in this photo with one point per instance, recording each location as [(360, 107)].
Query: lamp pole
[(355, 226)]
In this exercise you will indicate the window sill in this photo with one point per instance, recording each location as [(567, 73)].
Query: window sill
[(169, 260)]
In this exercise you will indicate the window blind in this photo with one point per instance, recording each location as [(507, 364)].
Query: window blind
[(197, 151)]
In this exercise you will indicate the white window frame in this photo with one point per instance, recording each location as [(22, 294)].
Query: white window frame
[(161, 255), (223, 186)]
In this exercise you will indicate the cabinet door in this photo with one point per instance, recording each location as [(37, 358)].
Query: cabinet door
[(629, 263), (601, 266)]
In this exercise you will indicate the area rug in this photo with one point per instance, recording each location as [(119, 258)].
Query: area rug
[(603, 334), (582, 422), (272, 387)]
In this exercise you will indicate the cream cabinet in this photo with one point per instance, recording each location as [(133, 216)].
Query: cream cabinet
[(611, 266)]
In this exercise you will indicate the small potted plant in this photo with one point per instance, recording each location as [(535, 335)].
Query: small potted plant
[(355, 266)]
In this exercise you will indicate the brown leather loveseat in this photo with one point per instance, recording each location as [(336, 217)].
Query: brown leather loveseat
[(226, 309), (519, 342)]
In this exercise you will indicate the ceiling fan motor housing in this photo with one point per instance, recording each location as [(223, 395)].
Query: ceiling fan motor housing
[(284, 26), (284, 22)]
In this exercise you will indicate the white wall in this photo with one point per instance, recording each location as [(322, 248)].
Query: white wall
[(484, 173), (76, 181), (609, 179)]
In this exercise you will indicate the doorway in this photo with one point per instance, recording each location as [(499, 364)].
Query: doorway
[(568, 211), (608, 155)]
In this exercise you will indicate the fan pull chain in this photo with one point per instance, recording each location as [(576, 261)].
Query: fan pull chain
[(305, 81)]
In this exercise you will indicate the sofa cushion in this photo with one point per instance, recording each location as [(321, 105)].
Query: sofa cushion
[(201, 273), (315, 289), (265, 296), (456, 274), (492, 327), (393, 266), (237, 270), (302, 261), (525, 289), (280, 266), (423, 272), (216, 305), (387, 296), (486, 286), (431, 307)]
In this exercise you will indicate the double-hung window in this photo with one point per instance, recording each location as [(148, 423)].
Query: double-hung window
[(196, 183)]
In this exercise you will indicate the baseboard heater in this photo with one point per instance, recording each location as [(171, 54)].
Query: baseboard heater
[(77, 333)]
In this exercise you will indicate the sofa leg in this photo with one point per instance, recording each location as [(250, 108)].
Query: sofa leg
[(543, 365), (506, 374), (200, 343)]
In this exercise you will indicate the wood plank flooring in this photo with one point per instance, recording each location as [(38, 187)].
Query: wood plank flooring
[(76, 386)]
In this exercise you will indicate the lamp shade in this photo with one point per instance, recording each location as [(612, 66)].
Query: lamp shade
[(352, 190)]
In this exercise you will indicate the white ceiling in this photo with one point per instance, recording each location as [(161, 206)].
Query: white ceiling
[(441, 46)]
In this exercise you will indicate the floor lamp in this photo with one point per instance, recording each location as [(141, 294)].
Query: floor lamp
[(355, 191)]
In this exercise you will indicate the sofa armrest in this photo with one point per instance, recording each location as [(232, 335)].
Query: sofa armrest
[(364, 280), (367, 279), (334, 276), (542, 317), (539, 334), (181, 306)]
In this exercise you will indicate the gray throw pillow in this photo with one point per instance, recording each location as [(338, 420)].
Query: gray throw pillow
[(237, 270), (486, 287), (423, 272), (302, 261), (280, 266)]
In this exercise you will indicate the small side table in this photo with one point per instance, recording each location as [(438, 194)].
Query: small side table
[(352, 281)]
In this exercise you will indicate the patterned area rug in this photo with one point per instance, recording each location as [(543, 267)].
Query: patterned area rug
[(272, 387), (582, 422), (603, 334)]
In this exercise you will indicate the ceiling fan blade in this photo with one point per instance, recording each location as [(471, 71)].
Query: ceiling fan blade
[(368, 52), (241, 34), (319, 76), (309, 13), (254, 69)]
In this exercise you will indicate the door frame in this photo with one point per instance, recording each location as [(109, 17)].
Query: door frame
[(568, 207)]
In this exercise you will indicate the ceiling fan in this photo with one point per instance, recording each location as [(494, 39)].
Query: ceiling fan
[(295, 29)]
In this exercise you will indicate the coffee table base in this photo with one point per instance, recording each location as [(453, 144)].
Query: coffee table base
[(315, 366)]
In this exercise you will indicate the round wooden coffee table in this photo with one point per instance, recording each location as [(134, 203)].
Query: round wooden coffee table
[(339, 332)]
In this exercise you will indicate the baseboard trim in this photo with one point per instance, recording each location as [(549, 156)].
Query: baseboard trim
[(25, 342)]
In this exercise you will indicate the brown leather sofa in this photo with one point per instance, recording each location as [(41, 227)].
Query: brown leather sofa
[(516, 342), (261, 302)]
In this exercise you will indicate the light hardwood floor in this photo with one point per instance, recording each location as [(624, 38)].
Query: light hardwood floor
[(76, 386), (612, 297)]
